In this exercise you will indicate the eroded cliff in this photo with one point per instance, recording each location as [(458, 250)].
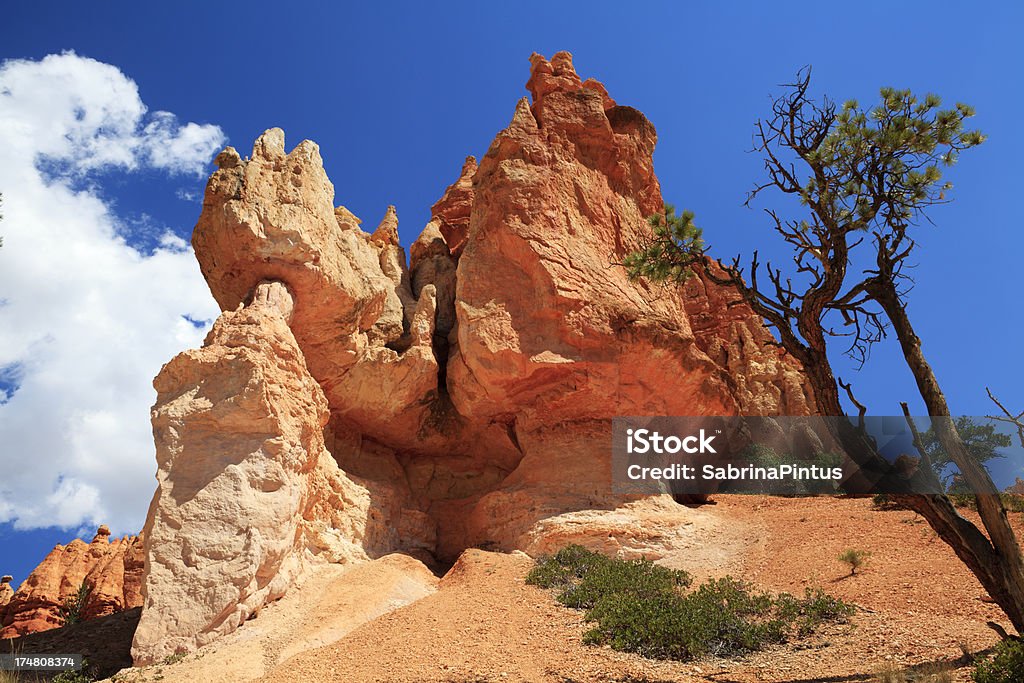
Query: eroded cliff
[(112, 569)]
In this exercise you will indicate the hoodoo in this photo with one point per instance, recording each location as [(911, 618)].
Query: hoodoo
[(349, 403)]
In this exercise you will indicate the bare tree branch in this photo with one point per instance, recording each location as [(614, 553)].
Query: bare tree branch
[(1016, 420)]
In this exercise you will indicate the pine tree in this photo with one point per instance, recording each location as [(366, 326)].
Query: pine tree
[(864, 179)]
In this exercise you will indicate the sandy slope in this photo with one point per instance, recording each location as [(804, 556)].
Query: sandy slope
[(483, 623), (326, 607)]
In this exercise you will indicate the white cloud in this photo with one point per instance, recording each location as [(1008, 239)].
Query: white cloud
[(86, 320), (182, 149)]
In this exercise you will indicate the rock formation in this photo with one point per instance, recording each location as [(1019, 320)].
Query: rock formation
[(762, 377), (6, 593), (247, 493), (349, 403), (1016, 488), (113, 570)]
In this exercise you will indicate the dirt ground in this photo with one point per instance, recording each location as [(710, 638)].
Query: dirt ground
[(917, 607), (918, 611)]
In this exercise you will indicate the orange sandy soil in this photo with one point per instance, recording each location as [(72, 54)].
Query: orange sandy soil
[(917, 608)]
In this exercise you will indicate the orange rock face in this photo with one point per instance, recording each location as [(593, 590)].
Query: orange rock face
[(113, 568), (452, 211), (762, 377), (550, 329), (349, 403)]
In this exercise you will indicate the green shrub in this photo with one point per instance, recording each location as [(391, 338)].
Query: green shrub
[(816, 608), (72, 611), (1013, 502), (638, 606), (1004, 665), (72, 676), (720, 618), (855, 558), (884, 501), (764, 456), (585, 577)]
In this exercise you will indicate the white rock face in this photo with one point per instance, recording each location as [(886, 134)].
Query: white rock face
[(247, 494)]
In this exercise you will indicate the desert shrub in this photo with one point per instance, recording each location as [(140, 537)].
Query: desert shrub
[(617, 577), (764, 456), (1004, 665), (720, 618), (855, 558), (884, 501), (83, 675), (893, 673), (816, 608), (1013, 502), (585, 577), (73, 677), (638, 606), (72, 611), (560, 570)]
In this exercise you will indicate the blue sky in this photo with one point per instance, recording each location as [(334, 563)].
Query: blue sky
[(397, 94)]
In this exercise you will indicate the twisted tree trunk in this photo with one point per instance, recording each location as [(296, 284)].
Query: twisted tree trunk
[(995, 560)]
